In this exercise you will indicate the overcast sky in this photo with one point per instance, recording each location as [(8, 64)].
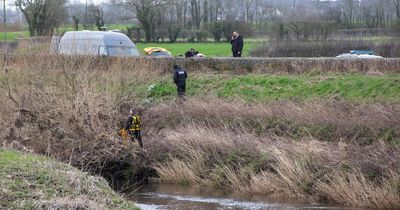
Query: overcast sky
[(10, 2), (94, 1)]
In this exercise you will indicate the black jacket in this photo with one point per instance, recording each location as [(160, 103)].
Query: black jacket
[(191, 53), (180, 76), (237, 44)]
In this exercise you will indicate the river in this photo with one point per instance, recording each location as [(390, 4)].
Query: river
[(174, 197)]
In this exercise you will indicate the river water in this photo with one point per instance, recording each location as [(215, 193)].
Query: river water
[(176, 197)]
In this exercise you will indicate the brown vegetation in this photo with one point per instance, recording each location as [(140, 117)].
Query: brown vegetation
[(155, 66), (217, 144), (328, 48), (319, 151)]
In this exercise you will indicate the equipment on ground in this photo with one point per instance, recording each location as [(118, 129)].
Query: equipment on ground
[(124, 135)]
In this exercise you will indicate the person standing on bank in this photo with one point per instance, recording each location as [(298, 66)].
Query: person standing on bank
[(133, 126), (180, 76), (237, 44)]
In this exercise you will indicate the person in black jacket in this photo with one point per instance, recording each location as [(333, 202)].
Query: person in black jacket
[(237, 44), (191, 53), (180, 76)]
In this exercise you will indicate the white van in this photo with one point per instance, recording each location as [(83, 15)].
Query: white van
[(97, 43)]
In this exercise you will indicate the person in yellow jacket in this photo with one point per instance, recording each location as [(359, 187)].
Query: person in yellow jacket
[(133, 126)]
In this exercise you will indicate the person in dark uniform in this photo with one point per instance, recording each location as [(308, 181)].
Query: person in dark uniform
[(180, 76), (133, 126), (237, 44), (191, 53)]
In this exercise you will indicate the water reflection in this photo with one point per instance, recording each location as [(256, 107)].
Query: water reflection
[(171, 197)]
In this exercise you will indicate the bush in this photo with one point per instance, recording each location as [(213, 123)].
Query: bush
[(188, 35), (216, 29), (194, 35), (134, 33), (396, 26), (330, 48), (224, 29), (160, 34), (240, 26), (303, 30), (201, 36), (173, 30)]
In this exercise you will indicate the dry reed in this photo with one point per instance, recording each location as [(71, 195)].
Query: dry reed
[(154, 66), (309, 169)]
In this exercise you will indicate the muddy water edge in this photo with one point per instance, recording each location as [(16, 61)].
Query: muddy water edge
[(172, 196)]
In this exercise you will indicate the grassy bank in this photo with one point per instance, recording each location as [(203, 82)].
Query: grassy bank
[(34, 182), (254, 87), (318, 137)]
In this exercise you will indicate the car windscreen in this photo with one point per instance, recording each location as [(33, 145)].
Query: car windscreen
[(160, 54), (122, 51)]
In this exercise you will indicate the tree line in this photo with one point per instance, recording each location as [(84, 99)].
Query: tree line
[(198, 19)]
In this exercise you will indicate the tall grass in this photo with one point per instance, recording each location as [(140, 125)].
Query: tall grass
[(57, 110), (219, 144), (276, 166), (156, 66), (324, 150)]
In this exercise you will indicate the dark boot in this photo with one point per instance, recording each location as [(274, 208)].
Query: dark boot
[(181, 90)]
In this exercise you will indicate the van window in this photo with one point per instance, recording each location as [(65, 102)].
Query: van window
[(102, 50), (122, 51)]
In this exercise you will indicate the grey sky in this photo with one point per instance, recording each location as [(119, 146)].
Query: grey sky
[(94, 1)]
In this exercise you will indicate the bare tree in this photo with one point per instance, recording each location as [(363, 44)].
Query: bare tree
[(169, 18), (348, 12), (174, 19), (96, 16), (397, 7), (76, 20), (206, 11), (195, 8), (43, 16), (145, 12)]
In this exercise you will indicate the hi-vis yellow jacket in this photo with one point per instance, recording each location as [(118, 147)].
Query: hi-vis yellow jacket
[(134, 123)]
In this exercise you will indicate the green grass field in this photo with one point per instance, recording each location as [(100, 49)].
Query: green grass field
[(209, 49), (253, 88), (12, 36)]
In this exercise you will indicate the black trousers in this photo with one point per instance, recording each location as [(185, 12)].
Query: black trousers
[(136, 135), (181, 89), (236, 54)]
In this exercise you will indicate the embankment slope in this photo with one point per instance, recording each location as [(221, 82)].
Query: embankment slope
[(319, 134), (34, 182)]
